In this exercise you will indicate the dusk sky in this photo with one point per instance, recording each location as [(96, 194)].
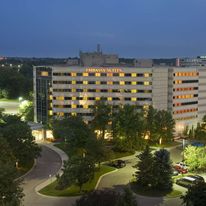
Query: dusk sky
[(130, 28)]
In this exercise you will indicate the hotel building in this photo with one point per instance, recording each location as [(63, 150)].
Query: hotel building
[(73, 90)]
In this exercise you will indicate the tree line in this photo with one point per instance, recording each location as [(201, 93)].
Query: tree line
[(18, 149)]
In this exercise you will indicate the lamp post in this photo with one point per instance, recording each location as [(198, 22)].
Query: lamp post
[(3, 197)]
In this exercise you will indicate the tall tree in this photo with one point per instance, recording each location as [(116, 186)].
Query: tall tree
[(162, 171), (195, 196), (128, 126), (10, 190), (75, 132), (77, 170), (102, 117), (19, 137), (144, 167)]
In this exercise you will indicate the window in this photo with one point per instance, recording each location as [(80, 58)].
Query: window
[(73, 82), (97, 74), (146, 74), (85, 82), (59, 98), (44, 74), (121, 74), (73, 74), (97, 82), (133, 99), (73, 98), (134, 74), (121, 82), (146, 83), (97, 98), (85, 74), (74, 106), (109, 98), (133, 91), (134, 83)]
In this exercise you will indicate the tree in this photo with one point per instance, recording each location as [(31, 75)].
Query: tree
[(19, 137), (108, 198), (164, 126), (127, 198), (77, 170), (144, 173), (127, 127), (162, 171), (10, 190), (101, 112), (195, 196), (195, 157), (27, 111), (75, 132)]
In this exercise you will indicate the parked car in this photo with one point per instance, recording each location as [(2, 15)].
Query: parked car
[(189, 181), (198, 144), (118, 163), (180, 169), (197, 177), (182, 165)]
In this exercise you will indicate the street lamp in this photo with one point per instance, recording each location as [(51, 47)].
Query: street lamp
[(3, 197)]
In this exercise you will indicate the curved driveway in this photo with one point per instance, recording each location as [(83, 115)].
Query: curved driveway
[(48, 164)]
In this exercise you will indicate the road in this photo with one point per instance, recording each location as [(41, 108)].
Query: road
[(10, 107), (48, 164), (123, 176)]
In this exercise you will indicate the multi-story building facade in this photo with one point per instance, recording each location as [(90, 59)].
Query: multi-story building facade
[(62, 91)]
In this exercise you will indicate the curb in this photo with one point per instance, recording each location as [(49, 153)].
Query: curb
[(22, 177), (100, 178), (53, 177)]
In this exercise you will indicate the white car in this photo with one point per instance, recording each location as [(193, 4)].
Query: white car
[(182, 165)]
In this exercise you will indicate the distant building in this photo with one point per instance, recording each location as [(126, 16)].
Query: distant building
[(97, 58), (143, 63)]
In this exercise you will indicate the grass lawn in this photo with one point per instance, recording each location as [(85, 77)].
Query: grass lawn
[(165, 145), (155, 193), (74, 190), (115, 155), (9, 100), (24, 169)]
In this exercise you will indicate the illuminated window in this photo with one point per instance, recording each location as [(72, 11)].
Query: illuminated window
[(74, 106), (84, 98), (73, 98), (50, 97), (50, 112), (73, 82), (60, 98), (85, 74), (85, 82), (74, 113), (109, 74), (121, 82), (134, 74), (97, 98), (73, 74), (97, 82), (84, 90), (133, 91), (97, 90), (146, 74), (85, 106), (97, 74), (60, 114), (134, 83), (73, 90), (110, 90), (146, 83), (109, 98), (133, 99), (121, 74), (109, 82), (44, 74), (51, 105)]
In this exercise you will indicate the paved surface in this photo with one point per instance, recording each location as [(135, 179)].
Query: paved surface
[(10, 107), (48, 164)]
